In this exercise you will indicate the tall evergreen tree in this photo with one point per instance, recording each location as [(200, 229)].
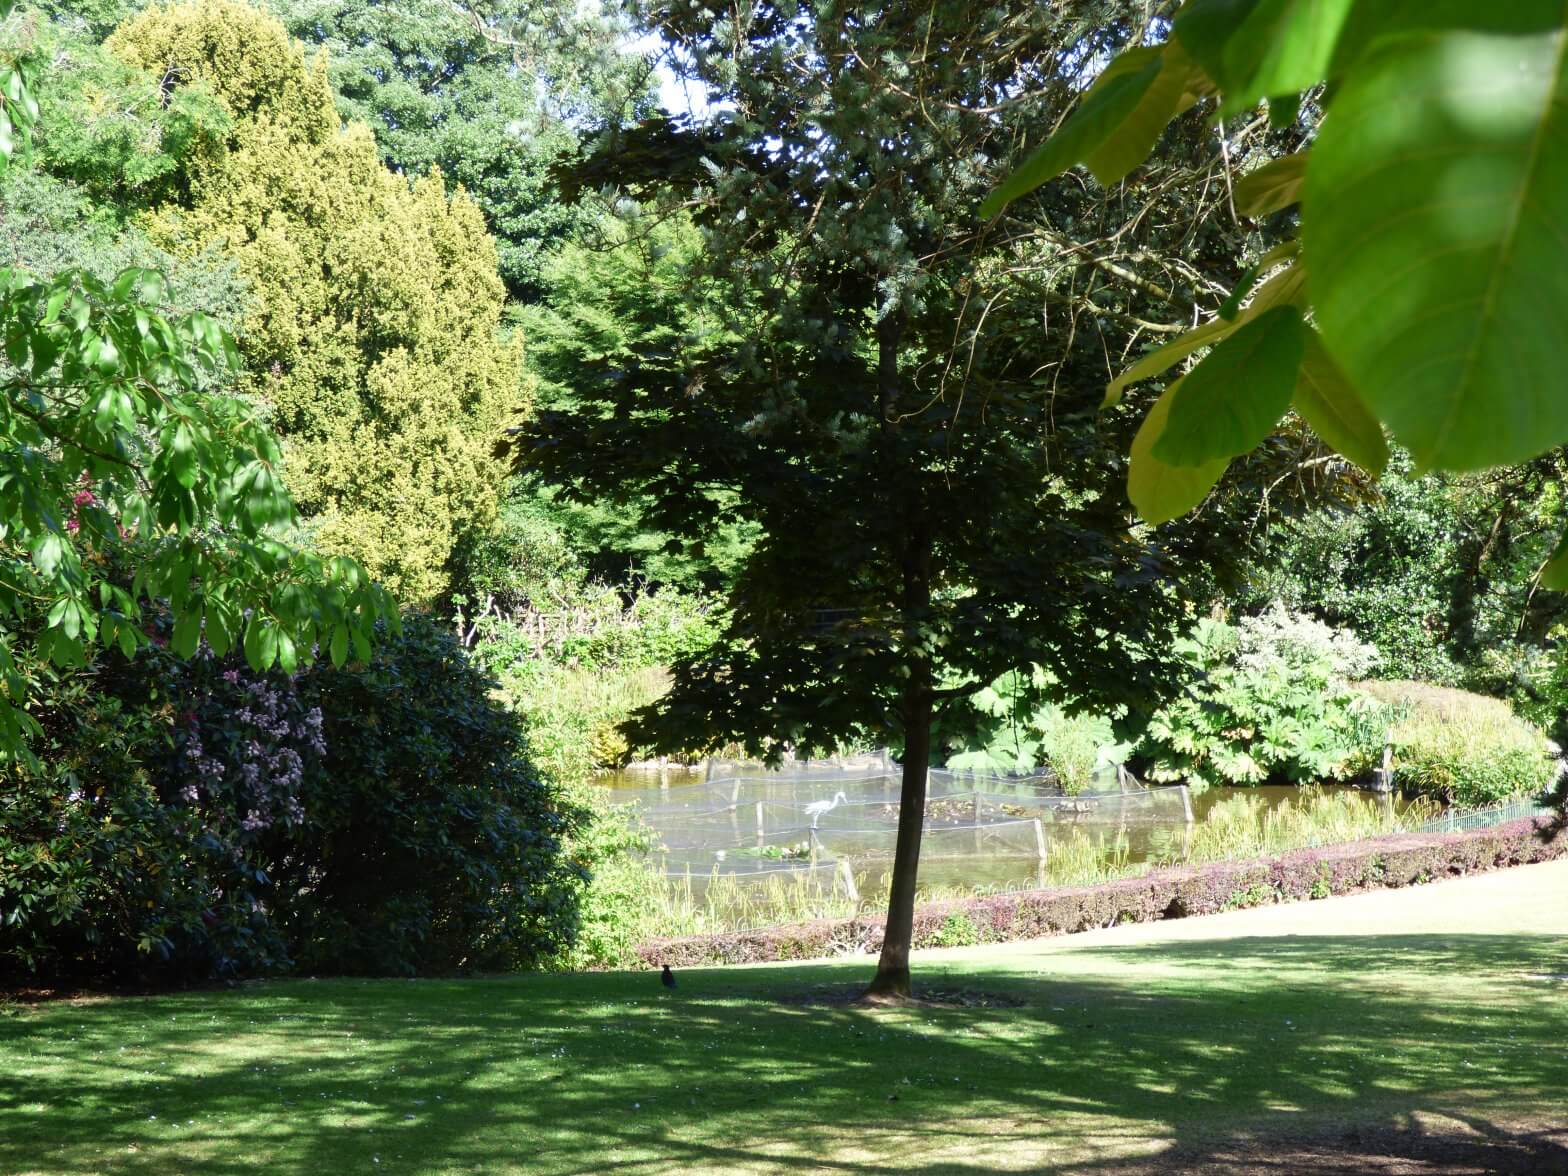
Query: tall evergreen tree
[(375, 305), (492, 92)]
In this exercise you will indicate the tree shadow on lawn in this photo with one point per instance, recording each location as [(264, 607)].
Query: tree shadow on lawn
[(1152, 1058)]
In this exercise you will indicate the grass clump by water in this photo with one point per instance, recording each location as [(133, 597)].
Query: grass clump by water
[(1246, 827), (716, 903), (1462, 748), (574, 714)]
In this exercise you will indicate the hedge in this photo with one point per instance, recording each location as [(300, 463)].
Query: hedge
[(1172, 893)]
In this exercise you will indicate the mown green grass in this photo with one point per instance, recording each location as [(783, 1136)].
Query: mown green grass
[(1125, 1043)]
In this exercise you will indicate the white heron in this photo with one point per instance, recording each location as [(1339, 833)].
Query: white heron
[(817, 808)]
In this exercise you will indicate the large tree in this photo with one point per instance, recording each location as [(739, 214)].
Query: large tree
[(935, 499)]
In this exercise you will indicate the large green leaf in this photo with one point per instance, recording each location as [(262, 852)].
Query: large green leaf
[(1106, 106), (1328, 403), (1205, 27), (1275, 185), (1178, 85), (1162, 492), (1232, 400), (187, 631), (1555, 573), (1283, 288), (1282, 47), (1433, 225), (1372, 19)]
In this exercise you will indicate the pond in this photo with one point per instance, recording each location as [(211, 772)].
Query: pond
[(833, 824)]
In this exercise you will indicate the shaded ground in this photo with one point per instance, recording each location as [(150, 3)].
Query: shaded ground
[(1416, 1144), (1418, 1031)]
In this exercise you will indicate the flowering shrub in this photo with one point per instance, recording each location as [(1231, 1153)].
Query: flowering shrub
[(245, 741), (1298, 643), (106, 871), (1269, 698)]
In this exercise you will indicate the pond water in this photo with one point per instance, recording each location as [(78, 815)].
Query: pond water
[(835, 823)]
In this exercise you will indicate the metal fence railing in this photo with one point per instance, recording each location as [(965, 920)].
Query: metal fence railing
[(1456, 822)]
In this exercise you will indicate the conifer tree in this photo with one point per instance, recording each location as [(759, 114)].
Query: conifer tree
[(373, 332), (493, 92)]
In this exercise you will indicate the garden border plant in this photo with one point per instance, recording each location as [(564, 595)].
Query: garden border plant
[(1172, 893)]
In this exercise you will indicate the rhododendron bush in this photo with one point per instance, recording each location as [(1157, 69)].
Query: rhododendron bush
[(194, 818)]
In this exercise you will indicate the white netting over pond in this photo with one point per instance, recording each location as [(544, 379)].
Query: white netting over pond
[(819, 817)]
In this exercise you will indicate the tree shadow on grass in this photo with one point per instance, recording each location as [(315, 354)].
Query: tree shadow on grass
[(1122, 1060)]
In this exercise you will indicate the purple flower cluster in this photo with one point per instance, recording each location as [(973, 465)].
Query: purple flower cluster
[(247, 750)]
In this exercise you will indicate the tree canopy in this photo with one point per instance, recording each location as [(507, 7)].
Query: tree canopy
[(490, 92), (117, 440)]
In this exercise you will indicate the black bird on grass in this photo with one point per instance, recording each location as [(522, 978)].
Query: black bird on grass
[(668, 979)]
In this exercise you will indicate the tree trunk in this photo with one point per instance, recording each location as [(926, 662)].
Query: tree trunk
[(892, 978), (915, 700)]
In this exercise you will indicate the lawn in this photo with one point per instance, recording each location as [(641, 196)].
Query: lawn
[(1284, 1038)]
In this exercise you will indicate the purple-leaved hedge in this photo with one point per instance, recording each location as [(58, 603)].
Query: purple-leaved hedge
[(1168, 893)]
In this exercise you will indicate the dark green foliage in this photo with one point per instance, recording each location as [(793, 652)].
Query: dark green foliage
[(1538, 688), (491, 93), (631, 295), (541, 539), (522, 560), (1388, 570), (432, 845), (192, 819), (89, 20), (1023, 567), (1437, 571), (855, 375)]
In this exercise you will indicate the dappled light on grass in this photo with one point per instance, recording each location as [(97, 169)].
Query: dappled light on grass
[(1117, 1050)]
